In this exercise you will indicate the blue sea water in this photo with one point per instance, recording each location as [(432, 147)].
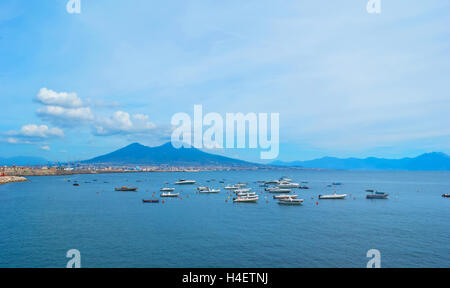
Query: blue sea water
[(42, 219)]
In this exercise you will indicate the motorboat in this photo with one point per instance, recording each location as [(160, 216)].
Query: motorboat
[(246, 199), (150, 201), (242, 190), (209, 191), (233, 187), (241, 184), (303, 187), (336, 183), (288, 185), (283, 196), (185, 182), (377, 195), (202, 188), (168, 194), (279, 190), (167, 189), (124, 188), (446, 195), (333, 196), (272, 182), (290, 201), (251, 194)]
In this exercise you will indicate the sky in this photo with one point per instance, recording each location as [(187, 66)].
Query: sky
[(345, 83)]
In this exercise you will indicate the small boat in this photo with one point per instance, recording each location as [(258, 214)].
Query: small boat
[(242, 190), (202, 188), (285, 179), (303, 187), (333, 196), (377, 195), (290, 201), (246, 199), (167, 189), (231, 187), (209, 191), (288, 185), (124, 188), (336, 183), (446, 195), (185, 182), (370, 190), (284, 196), (168, 194), (76, 184), (241, 184), (243, 194), (272, 182), (279, 190), (150, 201)]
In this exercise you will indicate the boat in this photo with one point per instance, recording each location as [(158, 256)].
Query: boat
[(285, 179), (377, 195), (446, 195), (202, 188), (76, 184), (209, 191), (303, 187), (231, 187), (168, 194), (246, 199), (279, 190), (167, 189), (242, 190), (241, 184), (290, 201), (336, 183), (288, 185), (272, 182), (252, 194), (185, 182), (150, 201), (124, 188), (333, 196), (283, 196), (370, 190)]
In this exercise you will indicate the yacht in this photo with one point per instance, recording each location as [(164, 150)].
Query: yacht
[(251, 194), (185, 182), (247, 199), (124, 188), (284, 196), (279, 190), (167, 189), (209, 191), (288, 185), (202, 188)]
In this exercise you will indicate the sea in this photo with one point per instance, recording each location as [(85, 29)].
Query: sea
[(44, 218)]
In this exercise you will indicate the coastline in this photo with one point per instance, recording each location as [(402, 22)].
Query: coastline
[(11, 179)]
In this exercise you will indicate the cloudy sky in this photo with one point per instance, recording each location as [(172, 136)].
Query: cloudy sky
[(345, 82)]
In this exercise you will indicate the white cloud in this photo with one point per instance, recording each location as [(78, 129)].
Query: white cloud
[(34, 132), (64, 99), (121, 123), (66, 116)]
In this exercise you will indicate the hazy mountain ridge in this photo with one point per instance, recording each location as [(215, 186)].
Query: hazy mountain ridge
[(435, 161)]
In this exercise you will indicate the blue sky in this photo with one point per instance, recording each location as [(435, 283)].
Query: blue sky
[(345, 82)]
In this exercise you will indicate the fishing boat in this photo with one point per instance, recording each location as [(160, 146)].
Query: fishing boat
[(124, 188), (167, 189), (446, 195), (150, 201), (377, 195), (234, 187), (333, 196), (246, 199), (290, 201), (284, 196), (168, 194), (185, 182)]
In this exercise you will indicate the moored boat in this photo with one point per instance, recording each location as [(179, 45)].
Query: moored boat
[(246, 199), (209, 190), (377, 195), (185, 182), (279, 190), (242, 190), (446, 195), (288, 185), (168, 194), (284, 196), (333, 196), (232, 187), (124, 188), (150, 201), (167, 189), (290, 201)]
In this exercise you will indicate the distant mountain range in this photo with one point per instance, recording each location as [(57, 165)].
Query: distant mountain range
[(137, 154), (435, 161), (22, 161)]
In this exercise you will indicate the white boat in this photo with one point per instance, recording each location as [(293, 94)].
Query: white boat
[(169, 194), (209, 191), (185, 182), (166, 189), (283, 196), (231, 187), (242, 190), (284, 179), (202, 188), (252, 194), (290, 201), (333, 196), (288, 185), (279, 190), (272, 182), (246, 199), (241, 184)]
